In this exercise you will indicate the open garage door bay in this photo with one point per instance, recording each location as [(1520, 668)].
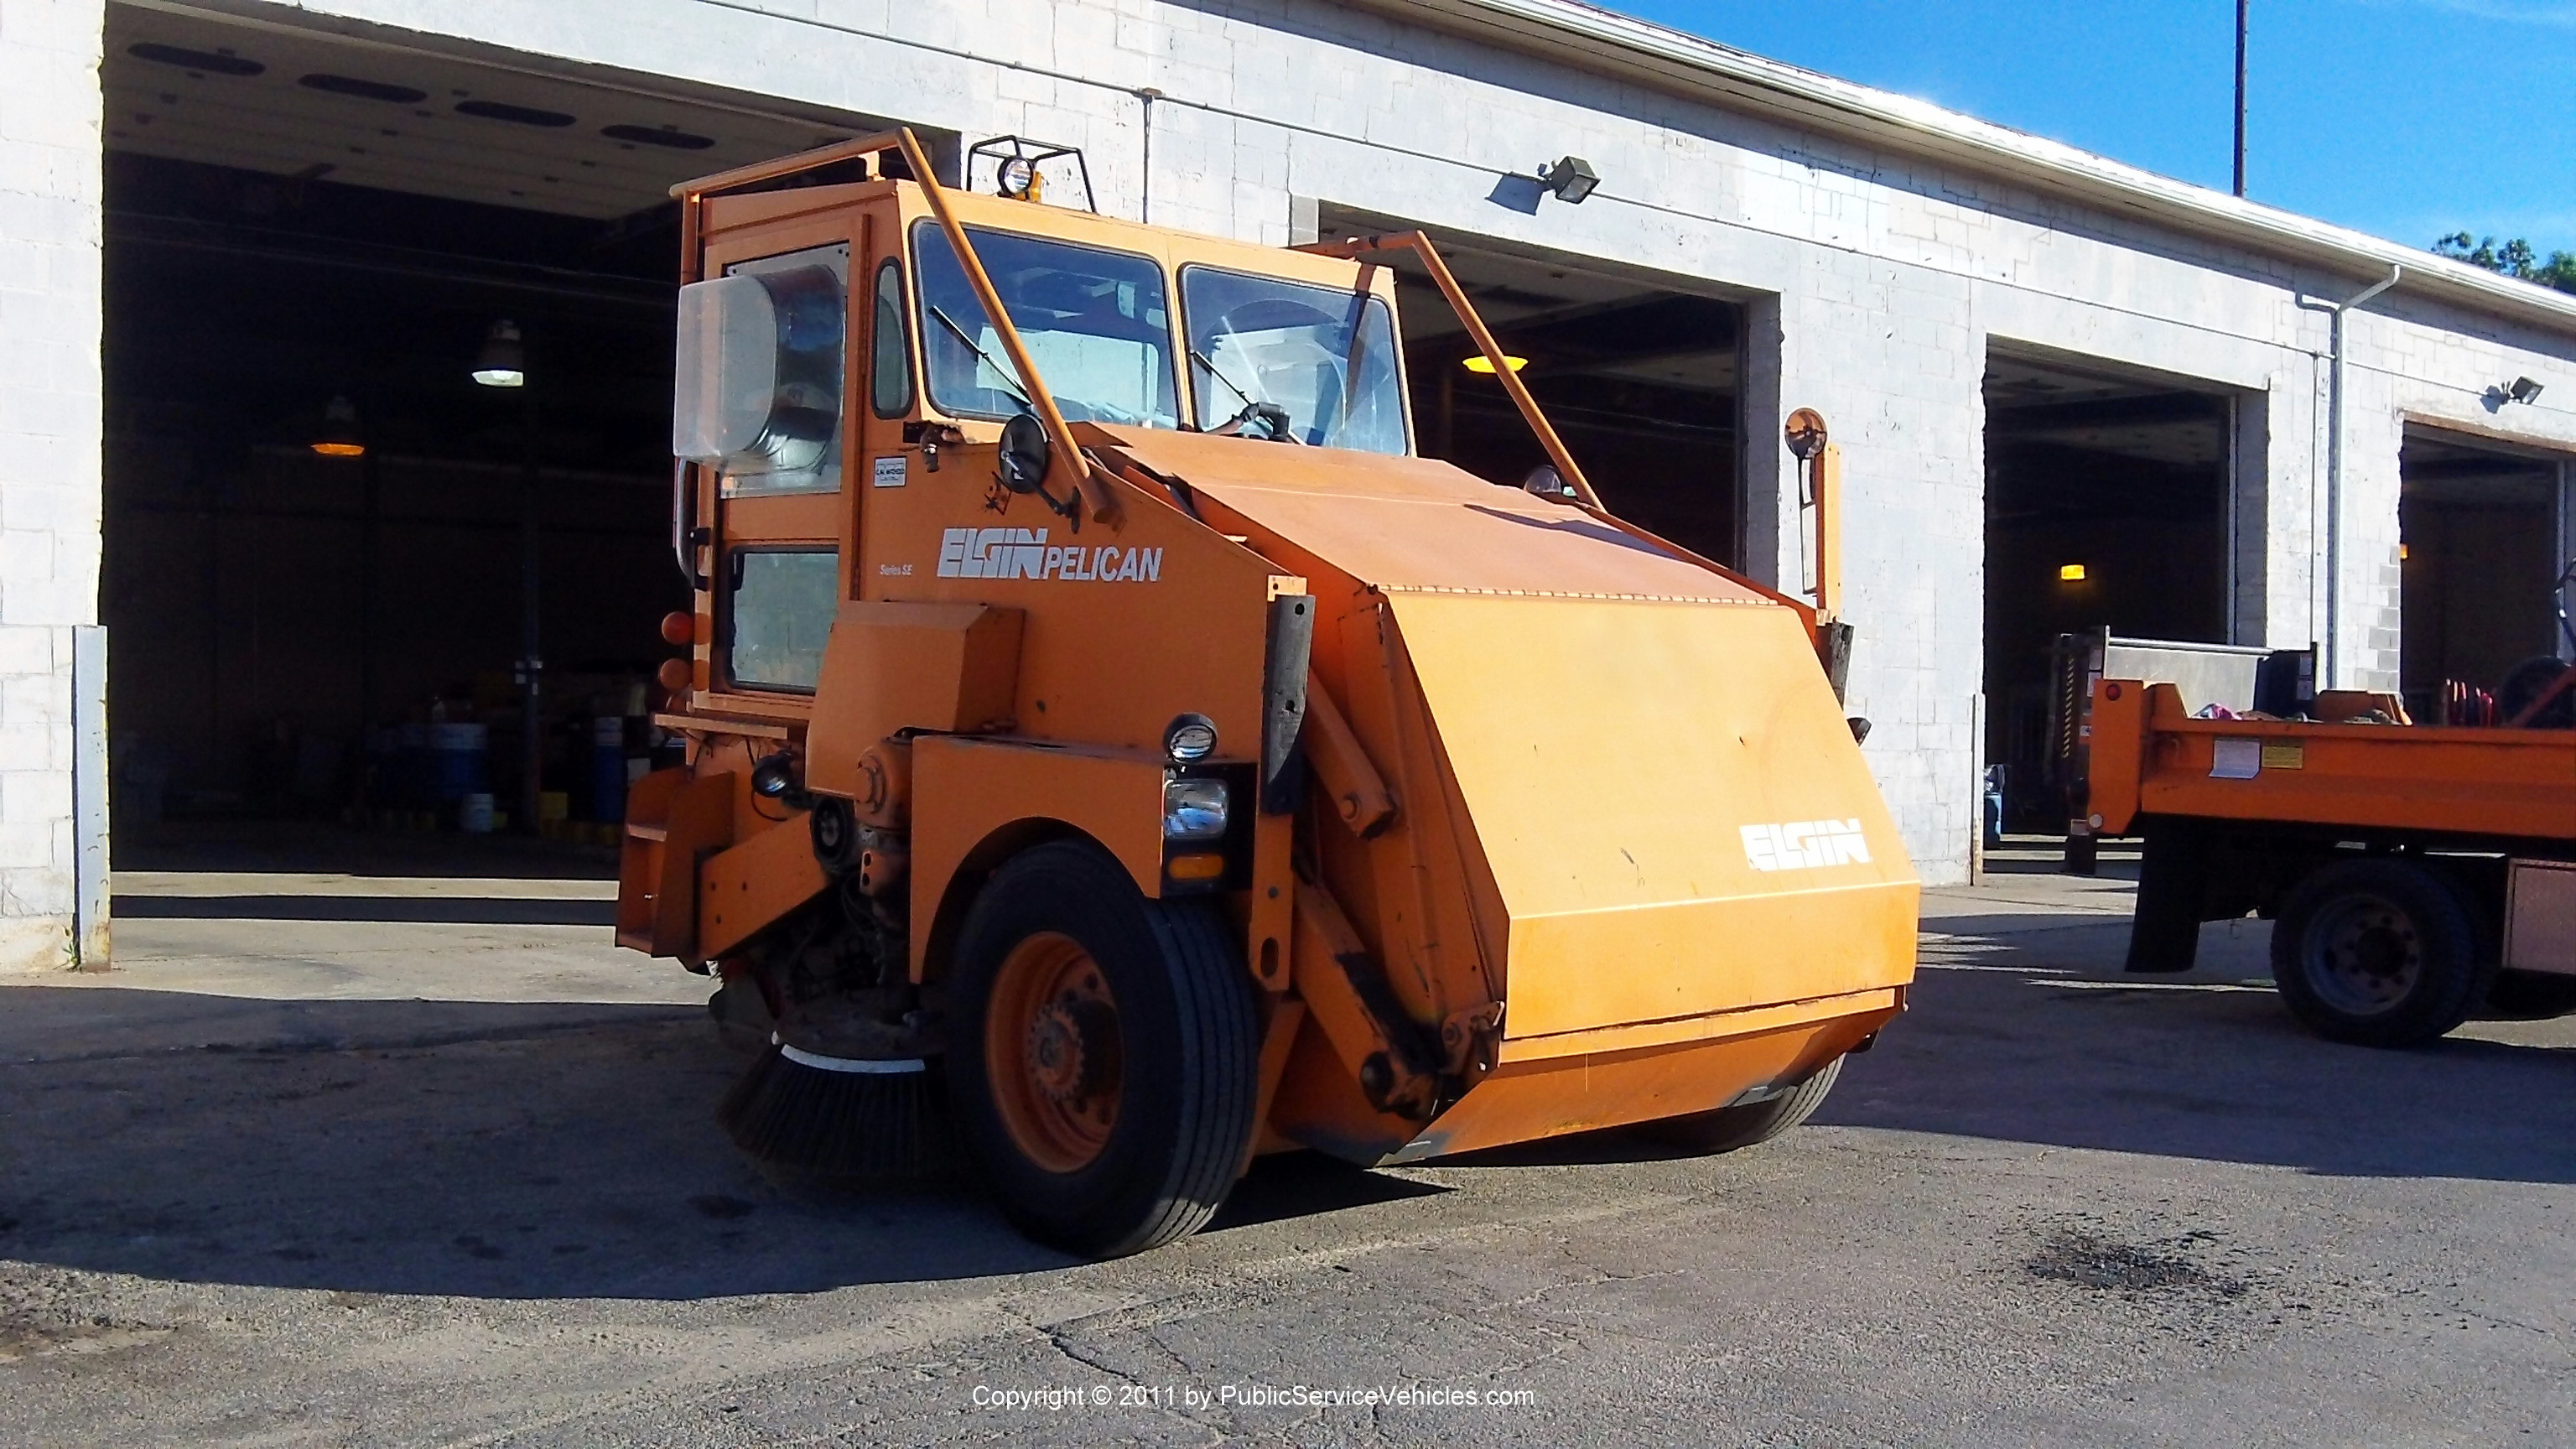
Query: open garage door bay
[(328, 547)]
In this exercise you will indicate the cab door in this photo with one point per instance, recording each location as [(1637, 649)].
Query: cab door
[(888, 451), (772, 417)]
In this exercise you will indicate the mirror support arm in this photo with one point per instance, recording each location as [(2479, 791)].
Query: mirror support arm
[(1420, 245)]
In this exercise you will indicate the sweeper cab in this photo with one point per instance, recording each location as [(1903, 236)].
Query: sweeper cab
[(1113, 752)]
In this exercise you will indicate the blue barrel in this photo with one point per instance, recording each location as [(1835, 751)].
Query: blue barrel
[(459, 762)]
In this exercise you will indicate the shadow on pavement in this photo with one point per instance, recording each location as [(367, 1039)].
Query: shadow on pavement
[(2205, 1066), (567, 1150), (1308, 1184), (483, 1150)]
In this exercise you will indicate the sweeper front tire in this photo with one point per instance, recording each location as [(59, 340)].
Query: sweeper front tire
[(1705, 1134), (1105, 1063)]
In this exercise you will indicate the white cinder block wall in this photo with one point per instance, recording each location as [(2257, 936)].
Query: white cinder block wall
[(50, 208), (1876, 282)]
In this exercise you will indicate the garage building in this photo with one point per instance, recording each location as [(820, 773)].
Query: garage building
[(252, 255)]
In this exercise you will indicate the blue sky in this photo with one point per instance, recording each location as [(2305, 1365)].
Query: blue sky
[(2404, 118)]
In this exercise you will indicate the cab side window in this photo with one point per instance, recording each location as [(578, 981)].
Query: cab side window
[(778, 616), (890, 360)]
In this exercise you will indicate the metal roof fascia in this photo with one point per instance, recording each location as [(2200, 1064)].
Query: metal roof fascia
[(1687, 64)]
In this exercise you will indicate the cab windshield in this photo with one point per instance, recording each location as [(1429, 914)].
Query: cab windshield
[(1325, 356), (1096, 323)]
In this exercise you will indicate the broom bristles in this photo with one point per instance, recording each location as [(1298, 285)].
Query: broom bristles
[(883, 1122)]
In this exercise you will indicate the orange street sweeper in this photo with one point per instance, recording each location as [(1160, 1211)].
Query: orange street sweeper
[(1113, 750)]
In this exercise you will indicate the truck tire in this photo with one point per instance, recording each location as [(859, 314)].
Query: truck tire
[(1728, 1128), (2377, 953), (1105, 1062)]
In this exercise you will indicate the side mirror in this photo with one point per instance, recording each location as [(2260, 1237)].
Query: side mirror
[(1023, 459)]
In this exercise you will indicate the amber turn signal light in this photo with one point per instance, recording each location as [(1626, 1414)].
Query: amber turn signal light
[(1195, 867), (674, 675)]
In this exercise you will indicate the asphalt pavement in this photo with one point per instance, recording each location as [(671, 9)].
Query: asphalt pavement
[(401, 1151)]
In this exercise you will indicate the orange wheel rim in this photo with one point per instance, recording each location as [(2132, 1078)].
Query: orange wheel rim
[(1052, 1051)]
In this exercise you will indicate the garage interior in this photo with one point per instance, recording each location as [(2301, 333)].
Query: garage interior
[(2107, 506), (316, 517), (2478, 566), (1639, 378)]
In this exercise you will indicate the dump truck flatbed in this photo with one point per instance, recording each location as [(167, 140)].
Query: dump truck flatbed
[(2150, 758), (2410, 871)]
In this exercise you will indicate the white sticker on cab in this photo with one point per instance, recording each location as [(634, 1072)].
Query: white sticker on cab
[(888, 472)]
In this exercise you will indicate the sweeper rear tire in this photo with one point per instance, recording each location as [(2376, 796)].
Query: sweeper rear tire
[(1729, 1128), (1105, 1062)]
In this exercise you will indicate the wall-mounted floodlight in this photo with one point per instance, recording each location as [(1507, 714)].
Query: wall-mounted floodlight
[(2522, 390), (1479, 362), (2071, 573), (339, 436), (1571, 178), (503, 362)]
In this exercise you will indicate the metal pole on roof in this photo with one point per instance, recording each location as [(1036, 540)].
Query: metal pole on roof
[(2240, 97), (1145, 99)]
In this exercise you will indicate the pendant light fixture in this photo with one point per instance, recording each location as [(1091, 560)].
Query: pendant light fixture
[(339, 435), (503, 361)]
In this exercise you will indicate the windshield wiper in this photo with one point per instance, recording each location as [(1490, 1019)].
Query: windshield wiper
[(1271, 415), (1218, 373), (978, 349)]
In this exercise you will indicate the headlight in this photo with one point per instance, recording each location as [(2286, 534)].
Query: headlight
[(1190, 738), (1193, 809)]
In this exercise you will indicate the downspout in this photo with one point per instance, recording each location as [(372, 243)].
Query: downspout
[(2332, 675)]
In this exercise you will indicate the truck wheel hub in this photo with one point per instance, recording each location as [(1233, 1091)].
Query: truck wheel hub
[(1073, 1043), (2366, 956), (1051, 1045)]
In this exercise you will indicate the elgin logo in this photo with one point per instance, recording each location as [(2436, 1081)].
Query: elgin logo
[(1023, 553), (1805, 844)]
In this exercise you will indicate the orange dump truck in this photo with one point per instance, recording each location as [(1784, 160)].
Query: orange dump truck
[(2409, 870), (1103, 728)]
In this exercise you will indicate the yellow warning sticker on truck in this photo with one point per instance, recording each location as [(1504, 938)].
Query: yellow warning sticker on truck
[(2285, 754)]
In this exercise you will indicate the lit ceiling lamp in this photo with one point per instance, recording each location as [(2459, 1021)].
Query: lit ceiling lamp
[(1571, 178), (339, 436), (503, 361), (1479, 362), (2071, 573)]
